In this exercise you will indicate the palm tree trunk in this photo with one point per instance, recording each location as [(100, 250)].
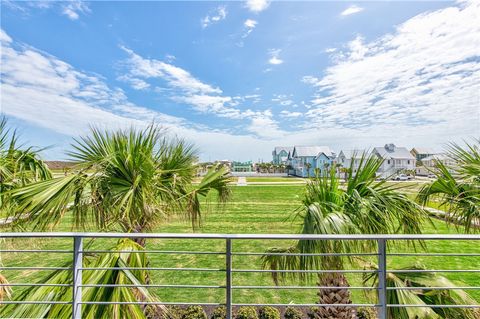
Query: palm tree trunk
[(334, 296)]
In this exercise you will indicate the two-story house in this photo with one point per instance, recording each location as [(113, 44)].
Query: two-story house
[(305, 159), (280, 154), (350, 159), (395, 160), (422, 152), (429, 164)]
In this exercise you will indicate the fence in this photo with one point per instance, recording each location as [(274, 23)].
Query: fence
[(381, 255)]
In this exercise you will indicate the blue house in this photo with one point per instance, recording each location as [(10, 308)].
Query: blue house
[(324, 163), (306, 159)]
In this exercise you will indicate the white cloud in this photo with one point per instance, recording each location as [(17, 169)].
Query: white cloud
[(185, 88), (42, 90), (263, 125), (248, 26), (74, 8), (135, 83), (219, 14), (139, 67), (288, 114), (249, 23), (423, 80), (274, 57), (351, 10), (4, 37), (257, 6)]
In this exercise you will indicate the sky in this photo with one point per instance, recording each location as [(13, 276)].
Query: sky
[(240, 77)]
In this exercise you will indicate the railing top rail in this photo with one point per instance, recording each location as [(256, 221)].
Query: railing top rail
[(241, 236)]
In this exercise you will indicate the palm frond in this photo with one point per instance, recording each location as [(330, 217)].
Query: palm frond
[(403, 294), (102, 289)]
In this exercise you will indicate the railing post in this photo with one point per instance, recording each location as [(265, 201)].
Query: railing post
[(77, 277), (228, 277), (382, 278)]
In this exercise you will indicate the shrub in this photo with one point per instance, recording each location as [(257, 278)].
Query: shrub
[(246, 313), (172, 312), (312, 312), (268, 312), (194, 312), (219, 313), (366, 313), (292, 313)]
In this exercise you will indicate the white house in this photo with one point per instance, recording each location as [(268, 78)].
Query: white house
[(350, 157), (429, 164), (396, 159)]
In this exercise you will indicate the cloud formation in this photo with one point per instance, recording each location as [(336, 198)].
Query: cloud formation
[(351, 10), (257, 6), (425, 76), (219, 14), (274, 57)]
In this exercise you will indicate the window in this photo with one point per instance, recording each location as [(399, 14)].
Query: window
[(388, 162), (408, 161)]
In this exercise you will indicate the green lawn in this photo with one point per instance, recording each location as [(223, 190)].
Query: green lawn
[(253, 209), (274, 179)]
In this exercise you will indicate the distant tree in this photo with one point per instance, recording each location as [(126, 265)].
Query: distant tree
[(308, 166)]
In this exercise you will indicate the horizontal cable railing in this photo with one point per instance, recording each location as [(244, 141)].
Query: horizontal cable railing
[(233, 263)]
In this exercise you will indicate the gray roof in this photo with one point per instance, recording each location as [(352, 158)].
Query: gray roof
[(287, 149), (304, 151), (424, 150), (350, 153), (392, 151), (438, 157)]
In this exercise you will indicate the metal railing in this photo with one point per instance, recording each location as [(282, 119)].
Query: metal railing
[(381, 255)]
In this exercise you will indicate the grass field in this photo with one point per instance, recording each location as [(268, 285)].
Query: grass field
[(274, 179), (252, 209)]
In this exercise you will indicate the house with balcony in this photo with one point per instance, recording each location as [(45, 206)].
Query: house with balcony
[(422, 152), (305, 160), (350, 158), (395, 160), (280, 154), (429, 164)]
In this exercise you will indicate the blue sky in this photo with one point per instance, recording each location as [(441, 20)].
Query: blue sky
[(238, 78)]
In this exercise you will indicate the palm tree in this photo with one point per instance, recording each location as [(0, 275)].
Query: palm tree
[(18, 166), (457, 186), (125, 181), (308, 166), (365, 206)]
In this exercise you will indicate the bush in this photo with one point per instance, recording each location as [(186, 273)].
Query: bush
[(292, 313), (246, 313), (172, 312), (219, 313), (366, 313), (268, 312), (194, 312), (312, 312)]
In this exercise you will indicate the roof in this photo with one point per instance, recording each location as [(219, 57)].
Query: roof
[(392, 151), (424, 150), (438, 157), (312, 151), (287, 149), (351, 153)]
